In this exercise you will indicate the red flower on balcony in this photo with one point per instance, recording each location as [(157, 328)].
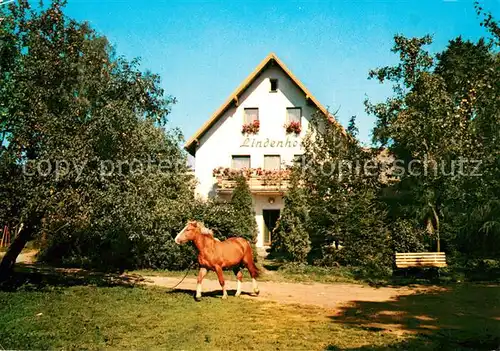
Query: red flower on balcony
[(251, 128), (293, 127), (256, 177), (266, 175), (231, 174)]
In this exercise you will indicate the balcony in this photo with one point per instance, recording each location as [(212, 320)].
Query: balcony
[(268, 182)]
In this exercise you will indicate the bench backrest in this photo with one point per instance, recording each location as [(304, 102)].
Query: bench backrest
[(420, 259)]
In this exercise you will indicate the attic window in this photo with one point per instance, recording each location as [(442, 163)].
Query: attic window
[(251, 115), (293, 114), (274, 85)]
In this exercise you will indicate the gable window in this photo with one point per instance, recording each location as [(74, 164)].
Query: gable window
[(274, 85), (240, 162), (272, 162), (293, 114), (251, 115)]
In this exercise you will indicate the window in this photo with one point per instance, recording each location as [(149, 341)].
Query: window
[(240, 162), (274, 85), (272, 162), (297, 160), (293, 114), (251, 114)]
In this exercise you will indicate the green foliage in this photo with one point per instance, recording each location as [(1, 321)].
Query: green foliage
[(290, 237), (346, 219), (407, 236), (241, 201), (225, 219), (67, 100), (122, 189), (148, 242), (442, 121)]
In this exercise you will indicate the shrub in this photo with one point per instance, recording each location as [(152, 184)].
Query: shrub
[(346, 218), (406, 237), (243, 207), (290, 237), (136, 232), (224, 219), (115, 244)]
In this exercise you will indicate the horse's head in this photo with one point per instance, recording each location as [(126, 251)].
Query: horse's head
[(190, 231)]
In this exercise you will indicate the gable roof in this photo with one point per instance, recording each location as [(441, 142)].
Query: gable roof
[(233, 98)]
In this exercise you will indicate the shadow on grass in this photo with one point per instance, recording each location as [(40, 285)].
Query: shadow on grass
[(271, 265), (36, 277), (410, 277), (458, 317)]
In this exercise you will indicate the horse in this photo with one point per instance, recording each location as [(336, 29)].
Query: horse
[(216, 255)]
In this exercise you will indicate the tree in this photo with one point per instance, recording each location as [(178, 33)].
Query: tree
[(83, 158), (342, 180), (290, 237), (241, 201), (440, 123)]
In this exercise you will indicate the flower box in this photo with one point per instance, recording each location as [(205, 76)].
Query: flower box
[(263, 174), (251, 128), (293, 127)]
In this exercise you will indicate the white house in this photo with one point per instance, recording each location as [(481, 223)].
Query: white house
[(269, 99)]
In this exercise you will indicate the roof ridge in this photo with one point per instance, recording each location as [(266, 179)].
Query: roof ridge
[(242, 87)]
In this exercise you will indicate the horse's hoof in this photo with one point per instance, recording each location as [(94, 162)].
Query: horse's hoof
[(256, 292), (224, 297), (197, 299), (237, 294)]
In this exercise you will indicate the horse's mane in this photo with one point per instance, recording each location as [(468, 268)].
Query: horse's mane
[(205, 231)]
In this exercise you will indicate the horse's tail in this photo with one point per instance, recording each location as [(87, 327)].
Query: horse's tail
[(249, 262), (252, 268)]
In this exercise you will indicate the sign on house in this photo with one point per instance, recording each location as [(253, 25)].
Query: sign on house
[(267, 142)]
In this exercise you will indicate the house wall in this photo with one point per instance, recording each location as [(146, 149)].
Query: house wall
[(225, 139)]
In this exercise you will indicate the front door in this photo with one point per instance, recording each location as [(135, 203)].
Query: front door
[(270, 219)]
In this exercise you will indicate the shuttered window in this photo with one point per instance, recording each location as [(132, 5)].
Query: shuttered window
[(272, 162), (293, 114), (251, 114), (240, 162)]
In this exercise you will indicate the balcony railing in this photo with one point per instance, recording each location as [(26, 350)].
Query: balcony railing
[(258, 180)]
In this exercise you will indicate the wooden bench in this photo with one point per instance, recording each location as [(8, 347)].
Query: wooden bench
[(420, 259)]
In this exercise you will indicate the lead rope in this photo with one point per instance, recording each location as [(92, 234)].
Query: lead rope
[(185, 275)]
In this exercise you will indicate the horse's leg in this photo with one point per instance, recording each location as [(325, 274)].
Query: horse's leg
[(254, 272), (239, 277), (220, 275), (201, 275)]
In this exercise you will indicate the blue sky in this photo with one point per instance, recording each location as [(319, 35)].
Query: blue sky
[(204, 49)]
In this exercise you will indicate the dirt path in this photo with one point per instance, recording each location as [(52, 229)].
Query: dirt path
[(27, 257), (331, 296)]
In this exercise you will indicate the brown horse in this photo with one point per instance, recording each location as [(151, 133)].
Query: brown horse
[(216, 255)]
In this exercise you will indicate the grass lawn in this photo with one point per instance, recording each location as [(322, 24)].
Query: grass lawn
[(69, 314), (143, 318)]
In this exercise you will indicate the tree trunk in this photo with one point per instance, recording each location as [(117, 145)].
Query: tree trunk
[(436, 219), (14, 250)]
